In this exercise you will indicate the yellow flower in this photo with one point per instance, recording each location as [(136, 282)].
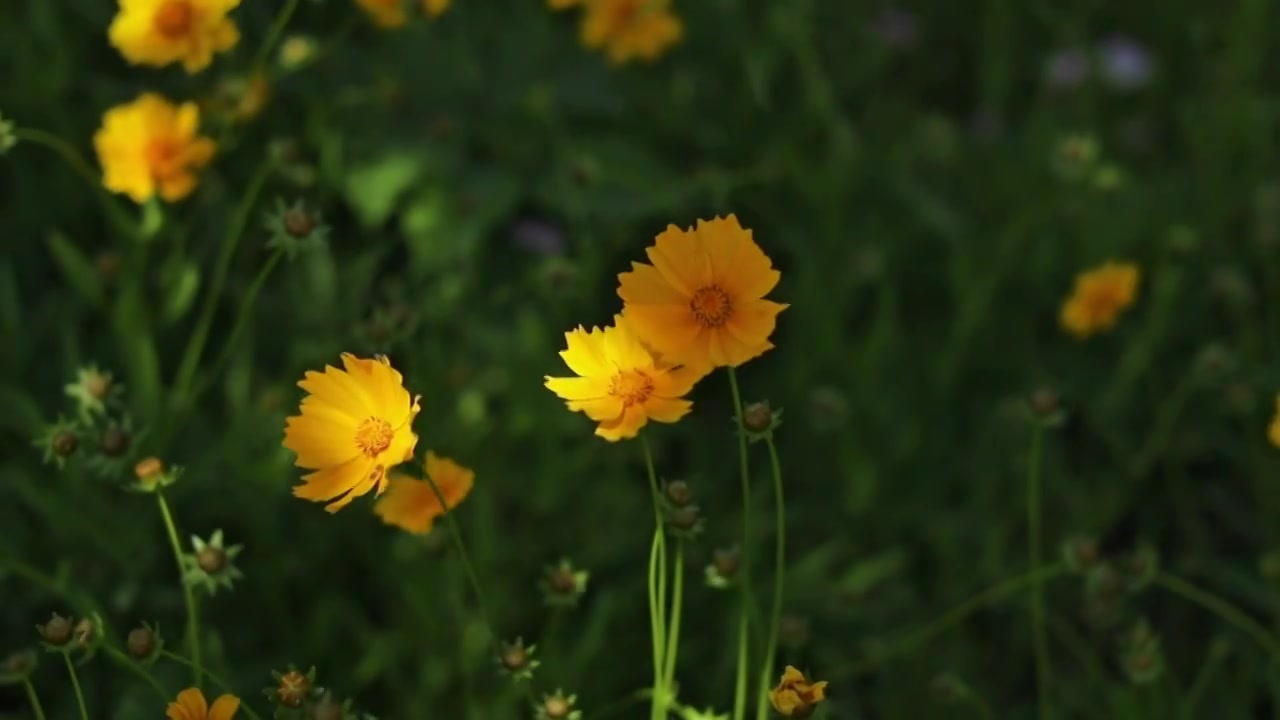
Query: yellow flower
[(563, 4), (621, 384), (353, 426), (1273, 430), (191, 705), (435, 8), (413, 506), (795, 696), (160, 32), (629, 29), (701, 301), (1099, 296), (150, 146), (385, 13)]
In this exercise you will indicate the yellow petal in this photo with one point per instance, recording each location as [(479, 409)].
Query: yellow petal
[(645, 285), (681, 259), (224, 708), (577, 388), (667, 410), (330, 482), (319, 442), (584, 353), (626, 426), (599, 409)]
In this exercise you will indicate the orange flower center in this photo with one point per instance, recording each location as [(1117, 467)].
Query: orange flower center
[(174, 19), (373, 436), (631, 387), (164, 157), (711, 306), (624, 12)]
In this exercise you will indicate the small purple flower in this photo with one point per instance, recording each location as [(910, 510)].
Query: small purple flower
[(896, 28), (1067, 69), (1126, 63), (538, 236)]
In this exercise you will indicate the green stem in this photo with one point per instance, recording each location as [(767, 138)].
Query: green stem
[(958, 613), (36, 707), (779, 577), (1191, 701), (273, 37), (657, 588), (673, 630), (193, 618), (1226, 611), (195, 346), (61, 148), (744, 629), (242, 321), (1035, 596), (223, 684), (75, 685), (138, 670)]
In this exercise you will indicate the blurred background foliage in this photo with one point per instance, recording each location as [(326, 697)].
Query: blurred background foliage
[(929, 179)]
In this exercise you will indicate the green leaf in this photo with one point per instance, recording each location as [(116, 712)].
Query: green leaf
[(180, 292), (375, 189), (76, 268)]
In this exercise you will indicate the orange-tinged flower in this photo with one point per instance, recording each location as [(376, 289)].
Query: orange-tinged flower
[(1273, 430), (621, 384), (701, 301), (795, 696), (435, 8), (413, 506), (1098, 298), (385, 13), (151, 146), (629, 29), (354, 425), (160, 32), (191, 705)]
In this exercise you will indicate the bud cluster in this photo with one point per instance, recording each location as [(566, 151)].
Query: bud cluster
[(683, 516), (100, 435), (297, 696)]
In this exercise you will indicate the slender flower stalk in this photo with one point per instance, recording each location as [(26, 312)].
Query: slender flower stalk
[(193, 617), (657, 590), (779, 578), (273, 37), (744, 625), (673, 629), (138, 670), (1035, 596), (34, 698), (75, 685), (247, 302), (1229, 613), (113, 209)]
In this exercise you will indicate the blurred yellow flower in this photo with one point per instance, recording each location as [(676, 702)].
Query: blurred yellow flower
[(701, 301), (795, 696), (1273, 430), (391, 13), (621, 384), (354, 425), (150, 146), (1098, 297), (160, 32), (563, 4), (629, 29), (413, 506), (191, 705)]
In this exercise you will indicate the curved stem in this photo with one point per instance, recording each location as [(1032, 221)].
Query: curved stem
[(273, 37), (138, 670), (75, 685), (911, 640), (1035, 597), (195, 346), (193, 618), (32, 696), (223, 684), (1226, 611), (779, 577), (673, 630), (242, 320), (82, 168), (744, 628), (657, 589)]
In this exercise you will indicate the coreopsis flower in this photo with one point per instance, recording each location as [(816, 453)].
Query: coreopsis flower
[(1099, 296), (435, 8), (152, 147), (1273, 430), (354, 425), (160, 32), (412, 505), (392, 13), (701, 303), (795, 696), (629, 29), (621, 384), (191, 705)]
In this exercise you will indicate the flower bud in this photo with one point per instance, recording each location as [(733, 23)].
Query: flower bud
[(16, 668), (563, 585), (299, 222), (558, 706), (516, 659), (1080, 554), (293, 689), (212, 560), (141, 643), (1141, 655), (115, 442), (758, 416), (87, 634), (65, 443), (685, 522), (57, 632), (148, 469), (678, 493), (8, 138), (328, 709)]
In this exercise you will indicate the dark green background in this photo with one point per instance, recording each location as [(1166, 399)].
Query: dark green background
[(924, 262)]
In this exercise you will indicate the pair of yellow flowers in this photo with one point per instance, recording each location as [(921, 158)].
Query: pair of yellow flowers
[(700, 305)]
